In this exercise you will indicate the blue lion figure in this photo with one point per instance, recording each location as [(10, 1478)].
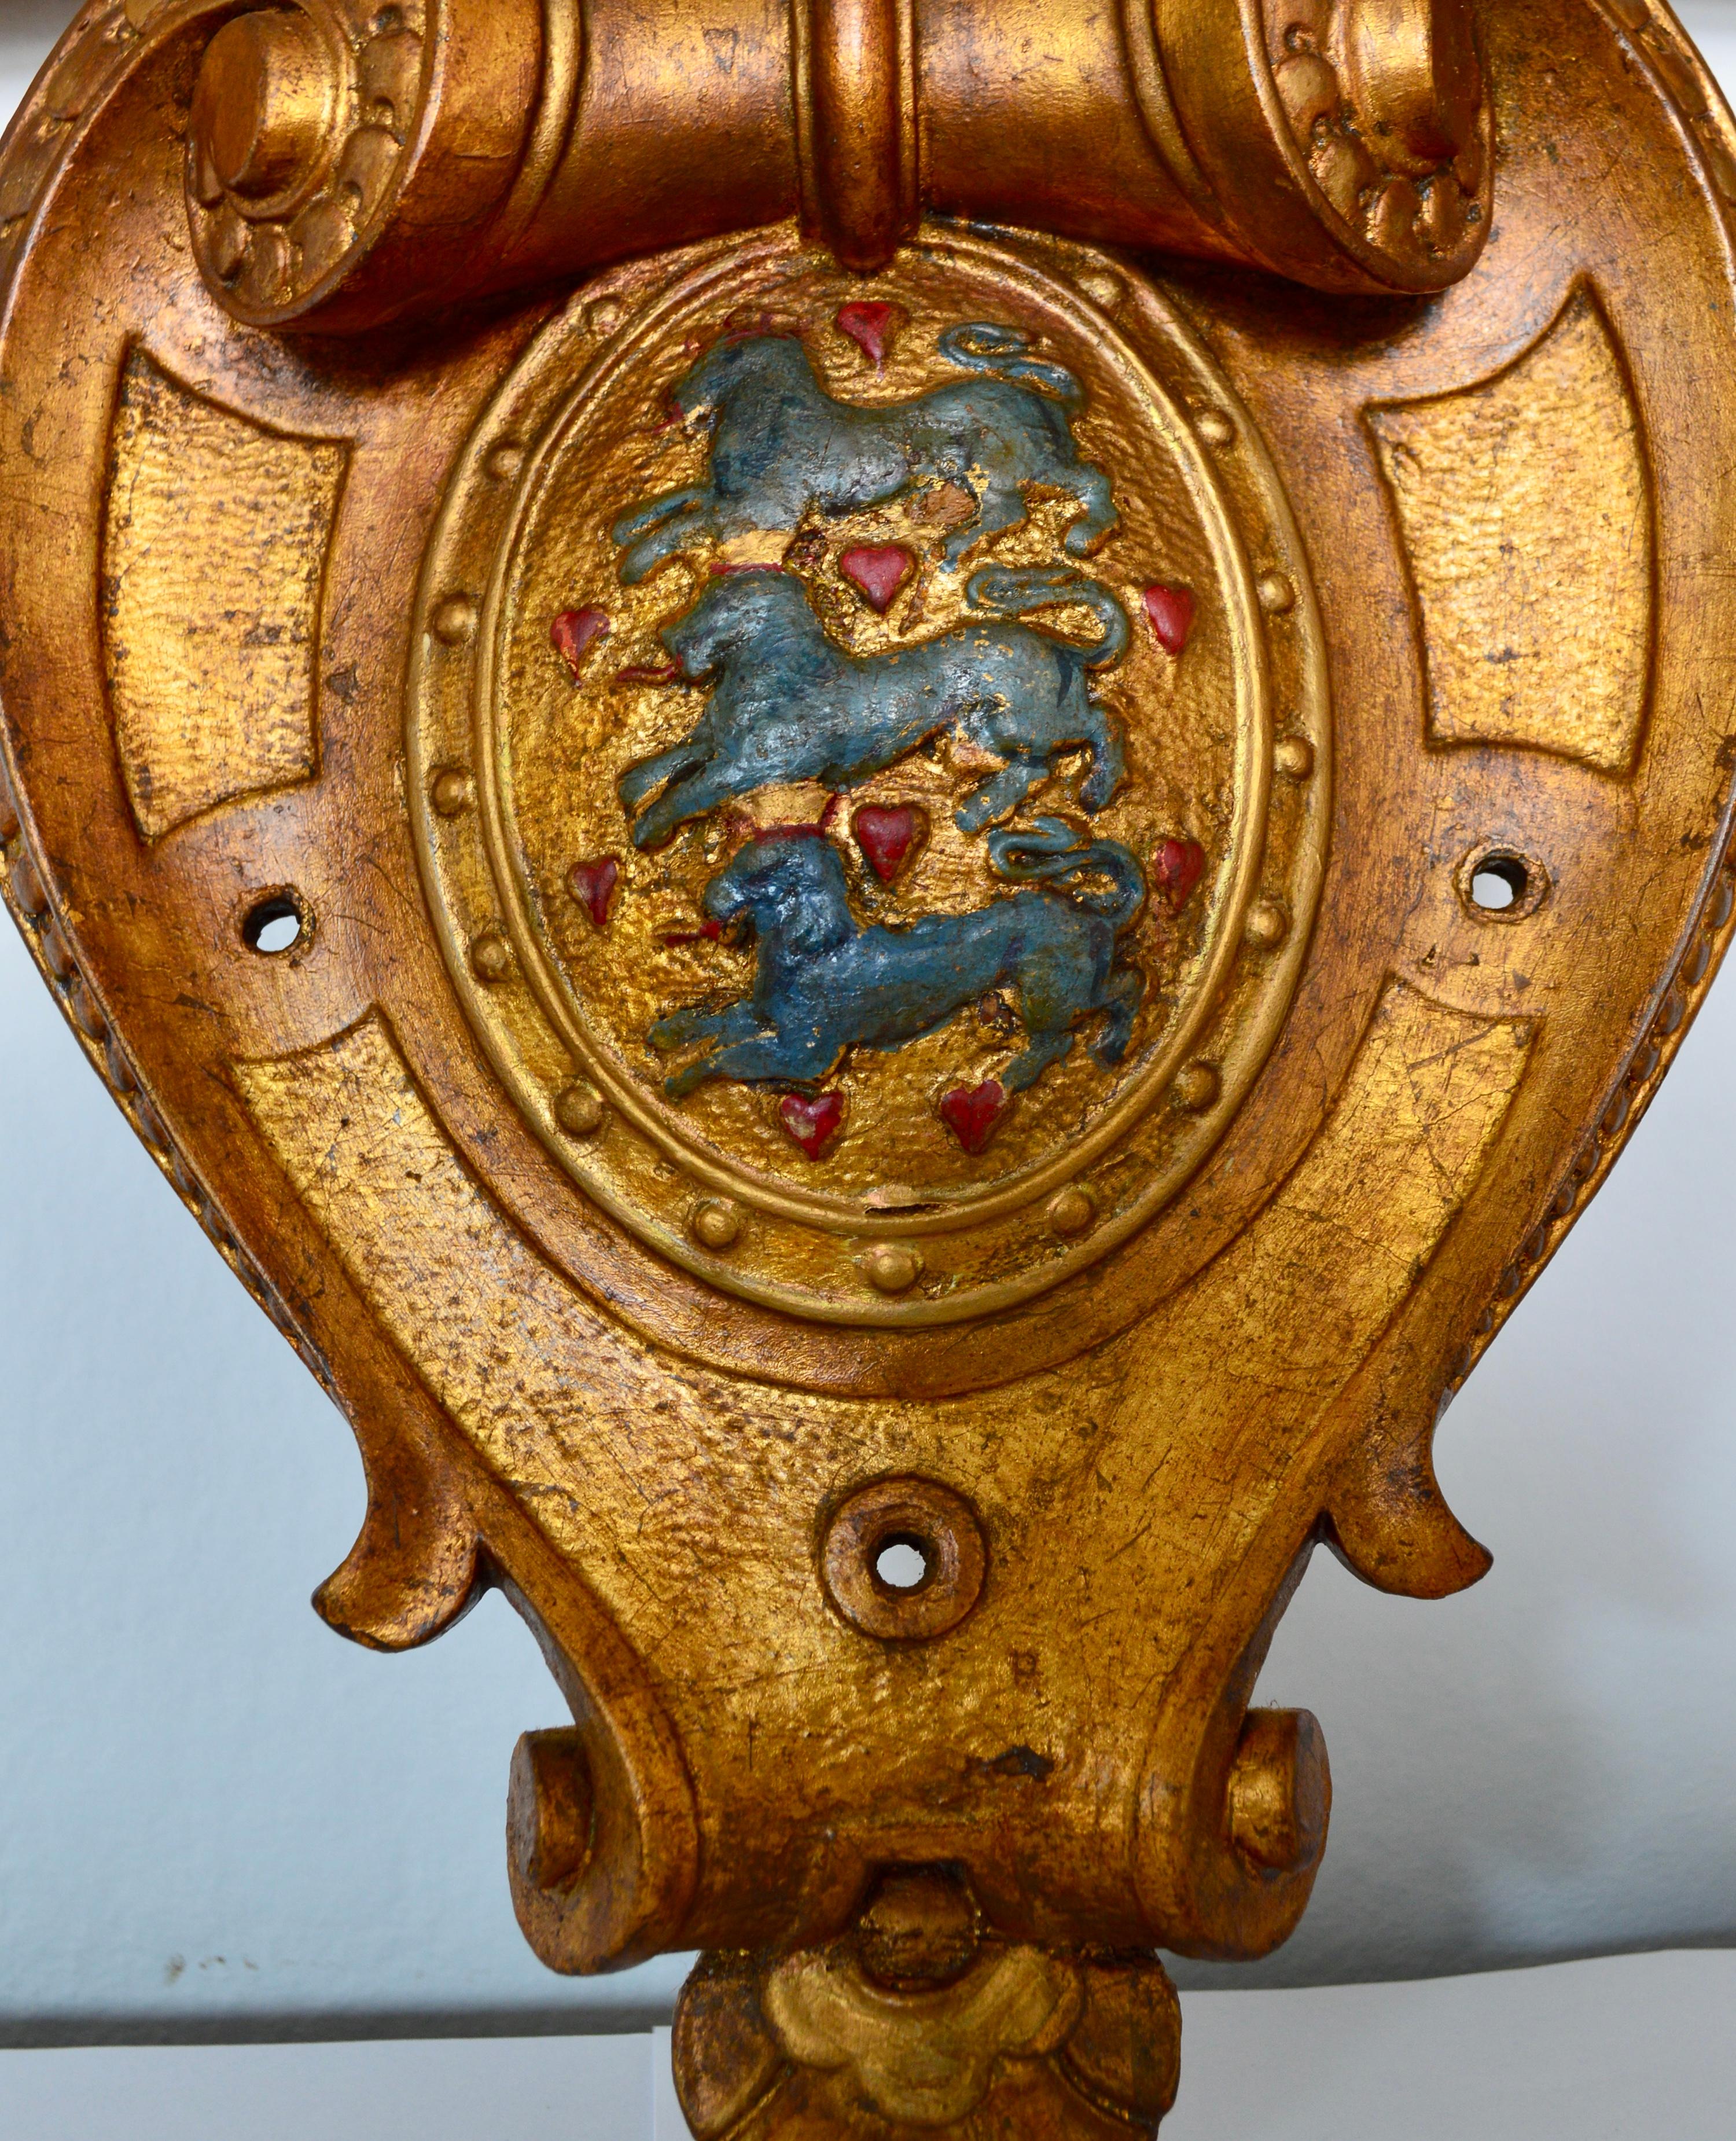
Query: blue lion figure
[(790, 705), (823, 985), (781, 445)]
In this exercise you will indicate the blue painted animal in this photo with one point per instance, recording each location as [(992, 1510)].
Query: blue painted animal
[(789, 704), (822, 985), (781, 445)]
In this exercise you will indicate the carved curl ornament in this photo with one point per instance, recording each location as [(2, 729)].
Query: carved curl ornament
[(886, 806)]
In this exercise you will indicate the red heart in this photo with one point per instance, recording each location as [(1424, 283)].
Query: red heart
[(886, 835), (593, 885), (812, 1124), (1171, 611), (1176, 868), (873, 327), (879, 572), (971, 1113), (572, 632)]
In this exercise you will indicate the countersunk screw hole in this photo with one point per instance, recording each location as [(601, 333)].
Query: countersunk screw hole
[(274, 925)]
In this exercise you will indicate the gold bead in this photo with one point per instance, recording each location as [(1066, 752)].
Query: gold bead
[(1214, 427), (491, 956), (1104, 289), (1276, 593), (891, 1268), (1071, 1210), (1293, 755), (716, 1224), (1197, 1087), (455, 621), (578, 1109), (1267, 925), (451, 792)]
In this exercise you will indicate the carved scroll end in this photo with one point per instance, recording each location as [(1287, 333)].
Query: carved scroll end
[(602, 1843), (1388, 1521), (414, 1571)]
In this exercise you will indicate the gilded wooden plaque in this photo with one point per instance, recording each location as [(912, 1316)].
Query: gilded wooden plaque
[(885, 806)]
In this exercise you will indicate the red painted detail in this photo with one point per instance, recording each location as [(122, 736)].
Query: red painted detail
[(649, 672), (812, 1124), (574, 632), (971, 1112), (707, 933), (1175, 870), (880, 571), (873, 327), (886, 835), (1171, 611), (593, 885), (788, 832)]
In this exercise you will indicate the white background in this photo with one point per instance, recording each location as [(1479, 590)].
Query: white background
[(218, 1820)]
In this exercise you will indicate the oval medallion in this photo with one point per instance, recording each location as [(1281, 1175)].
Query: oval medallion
[(869, 761)]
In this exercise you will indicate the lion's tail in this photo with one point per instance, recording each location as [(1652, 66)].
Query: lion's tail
[(1001, 353), (1013, 589), (1052, 848)]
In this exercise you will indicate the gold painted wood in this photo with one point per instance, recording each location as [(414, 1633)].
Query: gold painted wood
[(1287, 446)]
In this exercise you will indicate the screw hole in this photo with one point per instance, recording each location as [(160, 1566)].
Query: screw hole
[(274, 925), (901, 1563), (1498, 883)]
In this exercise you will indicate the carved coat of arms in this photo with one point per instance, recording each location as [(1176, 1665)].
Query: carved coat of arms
[(900, 759)]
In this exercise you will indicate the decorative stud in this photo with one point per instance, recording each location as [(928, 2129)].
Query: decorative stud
[(1276, 593), (505, 460), (28, 888), (715, 1224), (1293, 756), (603, 315), (455, 621), (1267, 925), (1071, 1211), (451, 792), (1214, 427), (1196, 1087), (1104, 288), (491, 956), (578, 1109), (891, 1267)]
